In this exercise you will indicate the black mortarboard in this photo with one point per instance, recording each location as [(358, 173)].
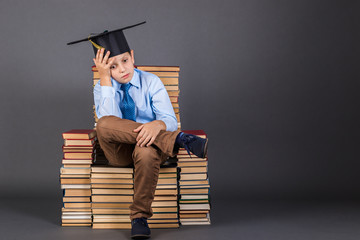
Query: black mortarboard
[(113, 41)]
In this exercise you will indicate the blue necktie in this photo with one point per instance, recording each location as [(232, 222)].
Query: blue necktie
[(127, 105)]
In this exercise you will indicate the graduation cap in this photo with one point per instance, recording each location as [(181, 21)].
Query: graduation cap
[(113, 41)]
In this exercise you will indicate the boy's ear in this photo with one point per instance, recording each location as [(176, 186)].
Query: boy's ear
[(132, 56)]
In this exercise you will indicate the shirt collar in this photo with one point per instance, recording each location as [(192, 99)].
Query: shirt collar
[(135, 81)]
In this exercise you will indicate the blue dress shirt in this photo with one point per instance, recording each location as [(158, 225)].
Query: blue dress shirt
[(149, 94)]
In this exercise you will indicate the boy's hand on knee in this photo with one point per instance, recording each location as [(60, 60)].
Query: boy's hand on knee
[(103, 65), (148, 132)]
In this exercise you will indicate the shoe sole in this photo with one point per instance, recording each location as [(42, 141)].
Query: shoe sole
[(205, 148), (140, 236)]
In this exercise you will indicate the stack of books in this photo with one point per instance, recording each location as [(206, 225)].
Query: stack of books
[(169, 75), (78, 151), (112, 192), (194, 201), (165, 204)]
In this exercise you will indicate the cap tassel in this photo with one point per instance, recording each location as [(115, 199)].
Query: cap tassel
[(94, 44)]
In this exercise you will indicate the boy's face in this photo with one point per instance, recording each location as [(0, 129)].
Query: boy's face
[(122, 69)]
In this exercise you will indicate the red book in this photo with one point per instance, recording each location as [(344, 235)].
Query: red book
[(79, 134), (199, 133)]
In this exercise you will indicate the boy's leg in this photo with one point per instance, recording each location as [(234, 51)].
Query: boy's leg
[(147, 161), (113, 129)]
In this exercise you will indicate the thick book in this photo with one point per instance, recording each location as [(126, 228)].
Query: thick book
[(74, 170), (110, 205), (111, 211), (111, 218), (76, 199), (77, 205), (77, 192), (111, 175), (194, 191), (172, 88), (166, 191), (204, 206), (77, 165), (191, 183), (100, 185), (164, 215), (111, 226), (78, 149), (77, 161), (74, 175), (164, 204), (79, 134), (112, 191), (193, 176), (113, 180), (170, 80), (166, 198), (165, 209), (79, 142), (78, 155), (192, 164), (112, 198), (104, 169), (193, 169), (75, 181), (163, 225)]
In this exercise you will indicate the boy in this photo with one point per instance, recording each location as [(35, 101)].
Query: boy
[(137, 124)]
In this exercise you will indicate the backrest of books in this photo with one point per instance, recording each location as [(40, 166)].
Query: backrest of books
[(169, 75)]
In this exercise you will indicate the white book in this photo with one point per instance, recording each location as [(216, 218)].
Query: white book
[(196, 206), (76, 217), (194, 196), (75, 186)]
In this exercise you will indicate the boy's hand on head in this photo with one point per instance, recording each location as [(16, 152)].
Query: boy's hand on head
[(103, 65), (148, 132)]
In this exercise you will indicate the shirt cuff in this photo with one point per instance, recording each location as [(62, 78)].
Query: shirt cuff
[(169, 124), (107, 91)]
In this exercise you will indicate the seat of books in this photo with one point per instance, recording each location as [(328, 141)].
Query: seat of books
[(97, 195)]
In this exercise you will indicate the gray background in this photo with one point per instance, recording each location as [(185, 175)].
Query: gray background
[(274, 84)]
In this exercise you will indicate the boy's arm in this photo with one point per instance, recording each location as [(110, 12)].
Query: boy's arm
[(105, 101), (164, 112), (161, 105), (104, 93)]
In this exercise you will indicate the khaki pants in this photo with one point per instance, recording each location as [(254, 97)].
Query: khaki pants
[(118, 141)]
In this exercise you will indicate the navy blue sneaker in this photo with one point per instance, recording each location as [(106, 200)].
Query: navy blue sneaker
[(140, 229), (192, 143)]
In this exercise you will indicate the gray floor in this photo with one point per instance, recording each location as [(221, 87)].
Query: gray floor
[(38, 218)]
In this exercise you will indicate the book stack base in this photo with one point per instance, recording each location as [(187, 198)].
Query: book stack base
[(194, 202), (165, 204), (112, 192), (78, 152)]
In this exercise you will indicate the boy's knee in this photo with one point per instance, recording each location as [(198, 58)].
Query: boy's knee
[(103, 123)]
